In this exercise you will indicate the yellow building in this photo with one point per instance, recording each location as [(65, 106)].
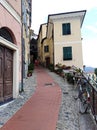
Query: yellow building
[(26, 24), (60, 39)]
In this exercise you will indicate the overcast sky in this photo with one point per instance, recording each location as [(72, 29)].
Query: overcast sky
[(41, 9)]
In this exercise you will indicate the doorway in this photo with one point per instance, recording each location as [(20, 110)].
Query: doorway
[(6, 74), (47, 61)]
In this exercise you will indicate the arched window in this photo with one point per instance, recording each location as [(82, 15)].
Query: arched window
[(4, 32)]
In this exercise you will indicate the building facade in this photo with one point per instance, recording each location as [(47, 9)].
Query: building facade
[(63, 43), (40, 41), (10, 49), (15, 22), (26, 24)]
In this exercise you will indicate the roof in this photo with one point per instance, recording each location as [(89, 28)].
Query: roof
[(80, 14)]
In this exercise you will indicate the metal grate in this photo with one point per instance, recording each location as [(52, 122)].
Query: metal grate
[(49, 84)]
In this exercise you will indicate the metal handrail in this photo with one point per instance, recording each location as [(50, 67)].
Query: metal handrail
[(93, 85), (87, 77)]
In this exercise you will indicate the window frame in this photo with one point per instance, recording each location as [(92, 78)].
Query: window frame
[(66, 29), (46, 48), (67, 53)]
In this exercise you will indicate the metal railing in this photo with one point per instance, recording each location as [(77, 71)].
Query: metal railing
[(92, 85)]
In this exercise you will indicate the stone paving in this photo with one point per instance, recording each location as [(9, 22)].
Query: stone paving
[(7, 111), (69, 117)]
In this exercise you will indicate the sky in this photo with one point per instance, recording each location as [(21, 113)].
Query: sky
[(41, 9)]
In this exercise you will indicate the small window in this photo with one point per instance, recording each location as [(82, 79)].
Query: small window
[(66, 29), (46, 48), (67, 53), (6, 34)]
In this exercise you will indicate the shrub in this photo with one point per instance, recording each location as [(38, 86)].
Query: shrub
[(51, 67), (59, 70), (31, 66), (30, 69), (70, 78)]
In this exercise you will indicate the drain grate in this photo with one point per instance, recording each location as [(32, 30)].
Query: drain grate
[(49, 84), (65, 93)]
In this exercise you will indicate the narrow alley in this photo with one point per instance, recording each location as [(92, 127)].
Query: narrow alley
[(51, 106)]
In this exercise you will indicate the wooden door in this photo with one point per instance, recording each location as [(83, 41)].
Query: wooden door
[(47, 61), (6, 74), (1, 72)]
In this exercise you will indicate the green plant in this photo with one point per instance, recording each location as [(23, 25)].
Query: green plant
[(31, 66), (70, 78), (59, 70), (51, 67), (29, 73), (30, 69)]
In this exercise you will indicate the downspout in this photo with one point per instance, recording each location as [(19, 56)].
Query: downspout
[(53, 48), (21, 89)]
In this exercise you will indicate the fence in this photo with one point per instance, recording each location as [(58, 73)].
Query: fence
[(93, 94), (92, 85)]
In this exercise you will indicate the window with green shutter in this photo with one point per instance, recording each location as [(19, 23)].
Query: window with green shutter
[(66, 30), (67, 53)]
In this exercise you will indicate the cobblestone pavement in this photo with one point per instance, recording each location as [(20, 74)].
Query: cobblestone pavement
[(7, 111), (69, 117)]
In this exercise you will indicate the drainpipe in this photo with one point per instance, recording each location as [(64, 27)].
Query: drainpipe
[(53, 47), (21, 89)]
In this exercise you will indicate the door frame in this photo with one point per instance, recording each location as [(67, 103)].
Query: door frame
[(47, 59), (12, 46)]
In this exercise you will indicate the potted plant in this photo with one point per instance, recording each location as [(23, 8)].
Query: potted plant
[(30, 69), (51, 67), (29, 73)]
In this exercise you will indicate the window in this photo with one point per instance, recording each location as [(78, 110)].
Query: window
[(67, 53), (46, 48), (66, 29), (6, 34)]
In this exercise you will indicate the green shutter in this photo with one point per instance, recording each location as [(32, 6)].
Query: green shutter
[(63, 29), (66, 29), (67, 53)]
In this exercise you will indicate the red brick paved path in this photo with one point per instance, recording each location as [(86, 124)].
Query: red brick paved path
[(40, 112)]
